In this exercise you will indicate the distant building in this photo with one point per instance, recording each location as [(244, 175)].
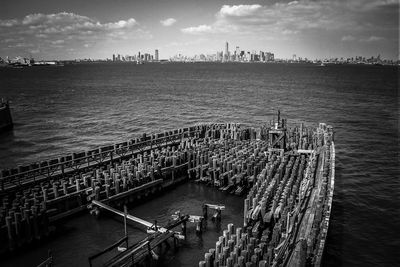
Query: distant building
[(269, 56), (226, 56), (156, 55), (220, 56), (113, 57), (261, 56)]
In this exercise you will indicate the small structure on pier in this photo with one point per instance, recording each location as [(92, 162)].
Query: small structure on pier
[(218, 209), (277, 134)]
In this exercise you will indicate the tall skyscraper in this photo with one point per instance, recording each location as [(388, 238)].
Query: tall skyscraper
[(156, 55), (226, 56)]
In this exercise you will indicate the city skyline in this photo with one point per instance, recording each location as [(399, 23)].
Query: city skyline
[(60, 30), (224, 56)]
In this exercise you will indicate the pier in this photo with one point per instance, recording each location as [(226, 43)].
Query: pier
[(286, 175)]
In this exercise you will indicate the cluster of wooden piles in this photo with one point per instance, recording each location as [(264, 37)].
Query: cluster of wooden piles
[(301, 138), (234, 248), (27, 175), (26, 213), (278, 211), (229, 158)]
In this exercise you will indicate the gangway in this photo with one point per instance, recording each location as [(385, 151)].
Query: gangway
[(129, 217)]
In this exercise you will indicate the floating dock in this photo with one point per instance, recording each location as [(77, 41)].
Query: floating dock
[(285, 174)]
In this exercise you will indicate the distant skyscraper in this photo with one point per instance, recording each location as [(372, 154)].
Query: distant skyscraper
[(113, 57), (156, 55), (237, 53), (220, 56), (226, 56)]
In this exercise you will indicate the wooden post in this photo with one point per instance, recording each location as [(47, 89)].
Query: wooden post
[(199, 226), (184, 228), (11, 242), (205, 211), (125, 213)]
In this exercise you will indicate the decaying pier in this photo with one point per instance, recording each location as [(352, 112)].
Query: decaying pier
[(287, 210), (287, 174)]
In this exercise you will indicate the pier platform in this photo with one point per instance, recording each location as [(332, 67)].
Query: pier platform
[(286, 174)]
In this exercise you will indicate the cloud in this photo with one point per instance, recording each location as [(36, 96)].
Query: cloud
[(58, 42), (168, 22), (34, 51), (8, 23), (21, 45), (199, 29), (239, 10), (289, 32), (295, 17), (372, 39), (55, 31), (348, 38), (279, 18), (70, 23)]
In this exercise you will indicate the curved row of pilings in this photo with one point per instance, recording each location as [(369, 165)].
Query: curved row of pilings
[(286, 212)]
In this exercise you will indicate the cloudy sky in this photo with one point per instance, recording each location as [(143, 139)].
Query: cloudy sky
[(60, 29)]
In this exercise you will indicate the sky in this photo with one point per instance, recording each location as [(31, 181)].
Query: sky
[(59, 29)]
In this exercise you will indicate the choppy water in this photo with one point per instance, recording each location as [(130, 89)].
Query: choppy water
[(73, 108)]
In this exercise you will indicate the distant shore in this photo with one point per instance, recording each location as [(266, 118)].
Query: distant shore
[(57, 63)]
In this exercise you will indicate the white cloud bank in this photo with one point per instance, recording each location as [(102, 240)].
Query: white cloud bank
[(49, 32), (362, 17)]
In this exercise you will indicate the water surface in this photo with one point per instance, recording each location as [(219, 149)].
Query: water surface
[(61, 110)]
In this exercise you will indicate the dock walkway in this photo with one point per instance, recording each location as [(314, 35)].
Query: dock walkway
[(128, 216), (25, 176)]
